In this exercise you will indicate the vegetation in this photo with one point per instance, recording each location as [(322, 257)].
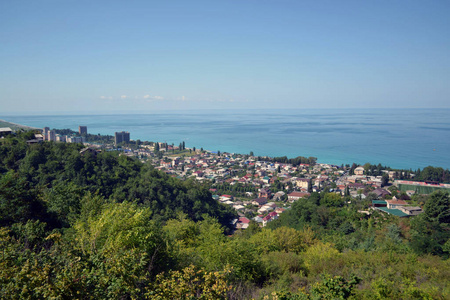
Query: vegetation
[(105, 226), (294, 161)]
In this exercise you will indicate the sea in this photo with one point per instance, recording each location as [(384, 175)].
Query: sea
[(399, 138)]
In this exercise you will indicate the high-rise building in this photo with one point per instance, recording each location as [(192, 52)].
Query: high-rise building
[(123, 136), (45, 133), (51, 135), (82, 130)]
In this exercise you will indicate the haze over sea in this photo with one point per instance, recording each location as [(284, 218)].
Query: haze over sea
[(399, 138)]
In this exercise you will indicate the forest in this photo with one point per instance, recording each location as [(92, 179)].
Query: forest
[(100, 225)]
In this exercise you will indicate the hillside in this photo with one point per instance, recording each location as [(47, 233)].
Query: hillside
[(100, 225)]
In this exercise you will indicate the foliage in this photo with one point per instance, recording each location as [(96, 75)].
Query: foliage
[(109, 227), (294, 161), (433, 174), (191, 283)]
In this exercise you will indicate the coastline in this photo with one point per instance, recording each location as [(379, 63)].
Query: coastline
[(399, 139), (15, 126)]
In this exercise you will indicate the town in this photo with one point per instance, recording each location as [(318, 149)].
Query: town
[(259, 188)]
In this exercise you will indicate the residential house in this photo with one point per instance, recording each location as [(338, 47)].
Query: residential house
[(294, 196), (380, 192), (264, 193), (259, 201), (411, 210), (242, 223), (5, 131), (359, 171), (395, 204), (303, 183), (278, 195)]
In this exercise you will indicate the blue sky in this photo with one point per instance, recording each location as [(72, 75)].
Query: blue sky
[(145, 56)]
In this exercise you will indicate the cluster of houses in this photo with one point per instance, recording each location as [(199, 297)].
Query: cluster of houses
[(277, 185), (265, 211), (269, 188)]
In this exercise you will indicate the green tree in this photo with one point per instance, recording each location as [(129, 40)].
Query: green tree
[(384, 179), (437, 208)]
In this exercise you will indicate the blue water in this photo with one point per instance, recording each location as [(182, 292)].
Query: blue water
[(400, 138)]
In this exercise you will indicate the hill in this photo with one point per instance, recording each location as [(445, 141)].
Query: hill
[(99, 225)]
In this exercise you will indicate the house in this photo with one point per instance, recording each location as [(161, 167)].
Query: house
[(380, 192), (33, 141), (356, 186), (264, 193), (259, 201), (226, 198), (379, 203), (87, 150), (359, 171), (294, 196), (264, 209), (266, 220), (395, 204), (303, 183), (244, 220), (238, 207), (411, 210), (242, 223), (279, 210), (5, 131), (279, 195), (258, 219), (273, 215)]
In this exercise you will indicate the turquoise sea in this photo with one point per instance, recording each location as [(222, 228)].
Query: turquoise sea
[(400, 138)]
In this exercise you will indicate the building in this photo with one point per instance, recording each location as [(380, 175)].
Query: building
[(303, 183), (60, 138), (395, 204), (359, 171), (294, 196), (122, 137), (5, 131), (82, 130), (259, 201), (411, 210), (264, 193), (45, 132), (51, 136), (75, 139)]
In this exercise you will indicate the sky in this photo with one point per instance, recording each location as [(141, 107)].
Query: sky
[(146, 56)]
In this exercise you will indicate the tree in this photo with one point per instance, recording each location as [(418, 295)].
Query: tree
[(384, 179), (123, 242), (431, 229), (19, 201), (437, 208)]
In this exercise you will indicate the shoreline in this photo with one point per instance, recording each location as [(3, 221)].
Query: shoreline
[(320, 157), (20, 126)]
